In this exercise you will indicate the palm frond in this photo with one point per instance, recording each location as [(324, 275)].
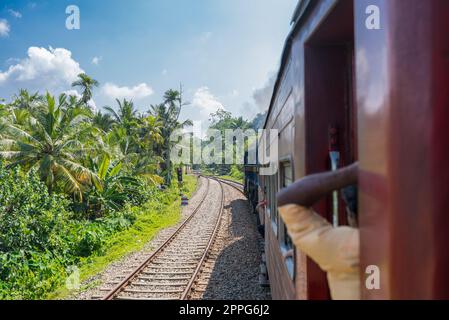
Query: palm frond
[(69, 182), (16, 132), (82, 174)]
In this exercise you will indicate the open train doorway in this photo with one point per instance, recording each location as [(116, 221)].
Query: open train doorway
[(331, 115)]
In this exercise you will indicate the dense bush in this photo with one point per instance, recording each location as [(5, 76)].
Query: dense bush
[(40, 238), (29, 215), (236, 173)]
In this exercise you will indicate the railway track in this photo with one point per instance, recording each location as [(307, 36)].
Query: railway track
[(207, 279), (170, 273), (235, 185)]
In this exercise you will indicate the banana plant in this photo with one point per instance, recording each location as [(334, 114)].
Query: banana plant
[(113, 188)]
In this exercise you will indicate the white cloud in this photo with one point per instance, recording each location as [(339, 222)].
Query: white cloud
[(234, 93), (15, 14), (10, 61), (137, 92), (43, 69), (204, 103), (4, 28), (96, 60), (92, 104), (75, 93), (164, 72)]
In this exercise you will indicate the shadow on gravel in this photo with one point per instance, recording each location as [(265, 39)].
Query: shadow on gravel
[(236, 272)]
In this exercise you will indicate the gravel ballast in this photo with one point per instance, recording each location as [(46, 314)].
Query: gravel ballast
[(231, 271)]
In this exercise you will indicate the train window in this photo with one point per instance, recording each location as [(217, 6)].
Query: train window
[(330, 106), (273, 202), (284, 238), (330, 110), (287, 174), (267, 194), (271, 184)]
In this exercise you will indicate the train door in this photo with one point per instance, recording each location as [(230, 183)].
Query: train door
[(330, 111)]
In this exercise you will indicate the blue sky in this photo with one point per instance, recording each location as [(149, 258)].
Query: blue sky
[(223, 51)]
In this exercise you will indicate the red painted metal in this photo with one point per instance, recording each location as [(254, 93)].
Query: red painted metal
[(402, 84)]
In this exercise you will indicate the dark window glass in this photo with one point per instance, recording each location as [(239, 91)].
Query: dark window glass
[(284, 238)]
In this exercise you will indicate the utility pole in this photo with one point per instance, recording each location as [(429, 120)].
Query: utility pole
[(181, 104), (173, 127)]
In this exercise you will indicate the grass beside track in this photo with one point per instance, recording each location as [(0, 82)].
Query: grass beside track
[(153, 217), (238, 180)]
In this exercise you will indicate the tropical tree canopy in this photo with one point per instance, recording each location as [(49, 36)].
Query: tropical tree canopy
[(50, 141), (168, 114), (86, 84)]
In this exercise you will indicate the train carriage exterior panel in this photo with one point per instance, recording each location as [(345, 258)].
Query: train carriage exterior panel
[(384, 93), (403, 97)]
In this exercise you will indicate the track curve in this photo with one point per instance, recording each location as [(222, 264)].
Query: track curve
[(170, 272)]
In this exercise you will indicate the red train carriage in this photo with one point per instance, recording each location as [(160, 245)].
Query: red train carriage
[(370, 80)]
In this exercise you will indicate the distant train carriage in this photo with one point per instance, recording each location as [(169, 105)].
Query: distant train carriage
[(251, 180), (369, 80)]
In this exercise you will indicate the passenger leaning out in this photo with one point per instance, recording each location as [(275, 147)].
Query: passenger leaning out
[(334, 249)]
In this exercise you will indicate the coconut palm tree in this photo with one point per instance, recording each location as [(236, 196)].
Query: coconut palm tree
[(51, 143), (26, 101), (103, 121), (240, 123), (87, 84), (125, 128), (125, 116), (151, 131), (168, 113)]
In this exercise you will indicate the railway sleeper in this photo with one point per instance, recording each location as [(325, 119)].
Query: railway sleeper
[(175, 261), (166, 273), (190, 254), (169, 268), (193, 263), (165, 278), (189, 258), (128, 298), (160, 284), (183, 251), (153, 291)]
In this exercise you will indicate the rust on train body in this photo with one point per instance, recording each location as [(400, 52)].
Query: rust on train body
[(383, 94)]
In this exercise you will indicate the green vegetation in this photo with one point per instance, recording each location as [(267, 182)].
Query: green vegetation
[(80, 188), (156, 214), (223, 120), (235, 175)]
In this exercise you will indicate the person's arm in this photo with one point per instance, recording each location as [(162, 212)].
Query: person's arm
[(309, 190)]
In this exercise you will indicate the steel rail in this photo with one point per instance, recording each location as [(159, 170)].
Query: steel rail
[(231, 184), (229, 180), (122, 285), (211, 241)]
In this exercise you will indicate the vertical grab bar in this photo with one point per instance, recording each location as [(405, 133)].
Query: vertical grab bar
[(334, 155)]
